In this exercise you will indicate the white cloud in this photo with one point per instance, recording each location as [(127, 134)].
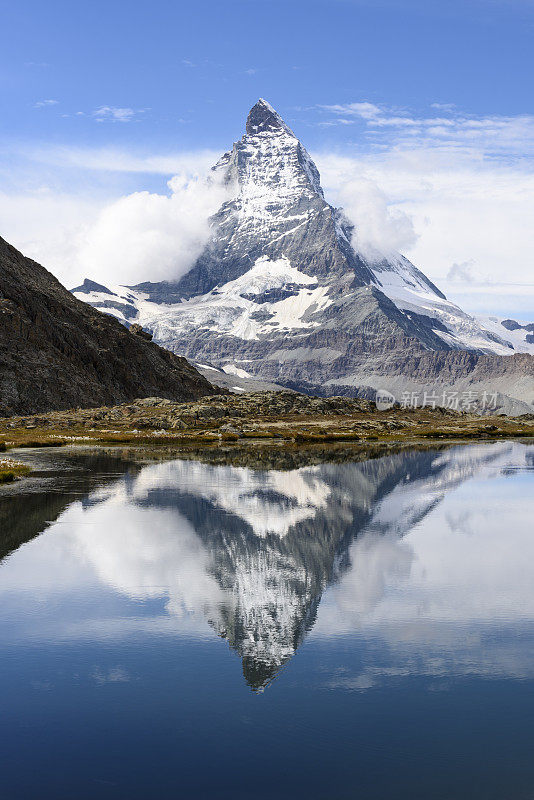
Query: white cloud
[(149, 236), (106, 233), (463, 184), (462, 272), (447, 107), (48, 227), (114, 114), (378, 225), (110, 159)]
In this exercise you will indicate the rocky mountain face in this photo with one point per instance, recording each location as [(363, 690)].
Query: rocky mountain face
[(57, 352), (280, 293)]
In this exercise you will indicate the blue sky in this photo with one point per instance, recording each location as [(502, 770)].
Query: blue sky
[(193, 68), (101, 100)]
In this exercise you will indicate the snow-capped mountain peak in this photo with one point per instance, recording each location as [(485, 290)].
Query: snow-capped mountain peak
[(263, 118), (281, 293)]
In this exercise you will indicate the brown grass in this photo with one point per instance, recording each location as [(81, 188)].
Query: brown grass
[(42, 443)]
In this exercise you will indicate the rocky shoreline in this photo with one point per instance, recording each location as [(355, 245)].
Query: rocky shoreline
[(275, 419)]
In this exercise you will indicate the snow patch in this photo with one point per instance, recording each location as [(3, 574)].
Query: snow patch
[(231, 369), (207, 366)]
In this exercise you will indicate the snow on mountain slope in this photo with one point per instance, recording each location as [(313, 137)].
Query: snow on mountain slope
[(231, 309), (273, 295), (521, 337), (118, 301), (412, 292)]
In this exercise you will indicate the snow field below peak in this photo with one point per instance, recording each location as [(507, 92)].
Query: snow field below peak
[(231, 309)]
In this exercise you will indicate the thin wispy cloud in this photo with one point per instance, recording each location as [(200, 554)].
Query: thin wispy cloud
[(491, 135), (338, 121), (364, 110), (447, 107), (113, 160), (114, 114), (45, 103)]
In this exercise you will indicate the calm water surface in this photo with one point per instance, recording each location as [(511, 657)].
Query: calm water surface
[(347, 630)]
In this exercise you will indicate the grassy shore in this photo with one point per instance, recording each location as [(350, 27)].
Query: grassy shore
[(10, 470)]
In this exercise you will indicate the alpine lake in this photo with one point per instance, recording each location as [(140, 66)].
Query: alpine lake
[(353, 626)]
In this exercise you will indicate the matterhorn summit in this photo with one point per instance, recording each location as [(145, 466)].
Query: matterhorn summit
[(277, 214), (280, 293)]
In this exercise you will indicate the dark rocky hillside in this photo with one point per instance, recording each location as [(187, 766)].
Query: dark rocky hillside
[(57, 352)]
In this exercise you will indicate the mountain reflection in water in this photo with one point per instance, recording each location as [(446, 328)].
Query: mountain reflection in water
[(267, 557)]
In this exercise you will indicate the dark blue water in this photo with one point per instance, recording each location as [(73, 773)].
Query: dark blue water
[(334, 631)]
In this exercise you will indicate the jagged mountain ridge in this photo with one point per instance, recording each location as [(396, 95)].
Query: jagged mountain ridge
[(280, 293), (57, 352)]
